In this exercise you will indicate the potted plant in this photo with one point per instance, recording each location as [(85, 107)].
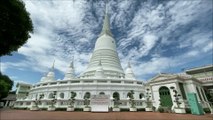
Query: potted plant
[(148, 100), (177, 108), (36, 102), (116, 100), (53, 101), (72, 102), (131, 101), (86, 102)]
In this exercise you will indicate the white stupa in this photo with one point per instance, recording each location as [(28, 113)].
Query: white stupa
[(70, 73), (105, 50), (129, 72), (50, 75)]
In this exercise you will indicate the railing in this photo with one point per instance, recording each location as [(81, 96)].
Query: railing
[(70, 82)]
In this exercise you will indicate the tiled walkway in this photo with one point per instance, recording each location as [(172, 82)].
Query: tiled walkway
[(62, 115)]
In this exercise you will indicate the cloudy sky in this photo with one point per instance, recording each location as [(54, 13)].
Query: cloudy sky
[(155, 35)]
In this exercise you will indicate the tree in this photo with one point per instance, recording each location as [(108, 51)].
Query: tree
[(86, 99), (130, 94), (37, 101), (54, 99), (148, 100), (176, 96), (6, 85), (72, 99), (15, 26), (116, 99)]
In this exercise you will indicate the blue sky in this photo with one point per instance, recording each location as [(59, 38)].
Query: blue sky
[(155, 35)]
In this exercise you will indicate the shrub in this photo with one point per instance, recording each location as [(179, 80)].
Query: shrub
[(60, 109), (110, 108), (43, 108), (206, 110), (78, 109), (160, 109), (20, 108), (141, 109), (153, 108), (124, 109), (188, 110)]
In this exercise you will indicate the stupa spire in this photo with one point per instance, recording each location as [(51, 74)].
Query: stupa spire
[(70, 74), (106, 23), (53, 66), (129, 65), (71, 64)]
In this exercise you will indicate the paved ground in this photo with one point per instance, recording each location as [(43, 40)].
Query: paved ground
[(62, 115)]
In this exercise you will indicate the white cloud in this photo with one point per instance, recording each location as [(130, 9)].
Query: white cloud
[(208, 47)]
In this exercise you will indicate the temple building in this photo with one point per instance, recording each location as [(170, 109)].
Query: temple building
[(205, 75), (104, 75)]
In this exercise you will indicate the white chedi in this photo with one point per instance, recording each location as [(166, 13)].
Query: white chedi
[(43, 78), (70, 74), (50, 75), (129, 73)]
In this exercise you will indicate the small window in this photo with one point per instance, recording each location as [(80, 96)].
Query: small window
[(62, 95), (141, 95), (50, 95)]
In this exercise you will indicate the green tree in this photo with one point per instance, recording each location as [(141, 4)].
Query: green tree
[(72, 99), (86, 99), (130, 94), (15, 25), (6, 85), (116, 99)]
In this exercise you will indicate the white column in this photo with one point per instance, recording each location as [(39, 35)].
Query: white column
[(33, 103), (57, 104), (204, 94), (6, 103), (202, 97), (193, 89), (24, 104), (43, 103)]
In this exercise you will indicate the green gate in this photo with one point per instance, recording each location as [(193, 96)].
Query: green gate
[(196, 108), (165, 97)]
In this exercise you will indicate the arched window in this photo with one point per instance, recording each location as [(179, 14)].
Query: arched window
[(50, 96), (141, 95), (61, 95), (101, 93), (116, 95), (165, 97), (87, 95)]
